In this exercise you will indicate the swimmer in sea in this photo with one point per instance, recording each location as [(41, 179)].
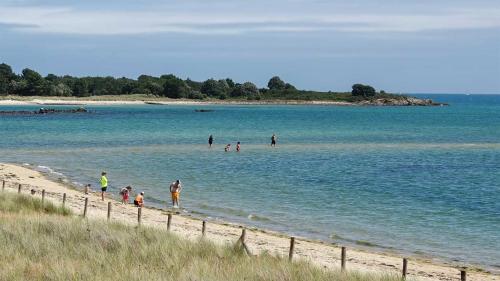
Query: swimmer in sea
[(210, 141)]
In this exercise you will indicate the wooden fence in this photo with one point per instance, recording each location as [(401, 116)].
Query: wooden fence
[(241, 240)]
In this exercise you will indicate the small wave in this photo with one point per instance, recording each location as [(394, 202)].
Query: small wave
[(48, 169), (235, 212), (258, 218), (226, 210), (366, 243), (337, 237), (26, 164)]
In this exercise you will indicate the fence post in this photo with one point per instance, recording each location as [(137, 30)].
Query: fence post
[(139, 215), (64, 200), (43, 196), (85, 207), (19, 188), (463, 275), (169, 221), (292, 247), (203, 228), (342, 259), (242, 241), (109, 211), (243, 235), (405, 267), (3, 185)]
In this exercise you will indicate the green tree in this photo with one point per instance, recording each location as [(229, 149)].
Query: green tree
[(80, 88), (230, 83), (174, 87), (290, 87), (194, 85), (60, 89), (36, 85), (6, 76), (363, 90), (51, 78), (18, 87), (213, 88), (155, 88), (276, 83), (210, 88), (247, 89)]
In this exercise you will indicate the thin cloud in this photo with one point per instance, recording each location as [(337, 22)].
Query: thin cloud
[(66, 20)]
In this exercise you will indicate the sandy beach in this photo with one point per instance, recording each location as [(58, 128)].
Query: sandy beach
[(319, 253), (155, 101)]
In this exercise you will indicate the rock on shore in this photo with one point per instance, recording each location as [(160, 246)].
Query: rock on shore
[(400, 101)]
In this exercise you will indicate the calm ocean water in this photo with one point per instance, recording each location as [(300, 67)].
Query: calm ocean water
[(406, 179)]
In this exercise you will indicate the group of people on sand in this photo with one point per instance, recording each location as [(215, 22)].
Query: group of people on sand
[(227, 148), (175, 190)]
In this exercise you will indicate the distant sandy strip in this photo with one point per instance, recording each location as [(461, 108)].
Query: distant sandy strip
[(77, 102), (321, 254)]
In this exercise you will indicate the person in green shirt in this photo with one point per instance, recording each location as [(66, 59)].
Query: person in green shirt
[(104, 184)]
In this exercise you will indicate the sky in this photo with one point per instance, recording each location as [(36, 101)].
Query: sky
[(409, 46)]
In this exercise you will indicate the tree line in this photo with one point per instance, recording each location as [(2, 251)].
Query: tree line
[(31, 83)]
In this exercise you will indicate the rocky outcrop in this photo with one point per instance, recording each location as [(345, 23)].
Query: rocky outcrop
[(44, 111), (400, 101)]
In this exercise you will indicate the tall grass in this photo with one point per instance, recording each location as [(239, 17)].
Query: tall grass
[(20, 203), (54, 247)]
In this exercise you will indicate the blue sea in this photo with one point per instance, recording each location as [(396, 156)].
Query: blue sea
[(411, 180)]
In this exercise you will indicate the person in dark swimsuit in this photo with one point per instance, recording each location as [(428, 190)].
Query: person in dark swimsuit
[(273, 140), (210, 141)]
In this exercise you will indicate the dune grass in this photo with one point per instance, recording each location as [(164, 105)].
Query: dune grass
[(15, 203), (49, 246)]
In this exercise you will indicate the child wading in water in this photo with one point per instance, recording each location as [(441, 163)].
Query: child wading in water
[(125, 193), (238, 147), (227, 148)]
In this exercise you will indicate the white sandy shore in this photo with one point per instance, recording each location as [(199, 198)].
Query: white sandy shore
[(321, 254), (77, 102)]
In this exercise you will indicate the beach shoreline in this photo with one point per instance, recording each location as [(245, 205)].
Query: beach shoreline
[(320, 253), (84, 102), (143, 100)]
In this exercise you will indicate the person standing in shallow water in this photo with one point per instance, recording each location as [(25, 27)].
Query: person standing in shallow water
[(175, 191), (273, 140), (238, 147), (210, 141), (104, 184)]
